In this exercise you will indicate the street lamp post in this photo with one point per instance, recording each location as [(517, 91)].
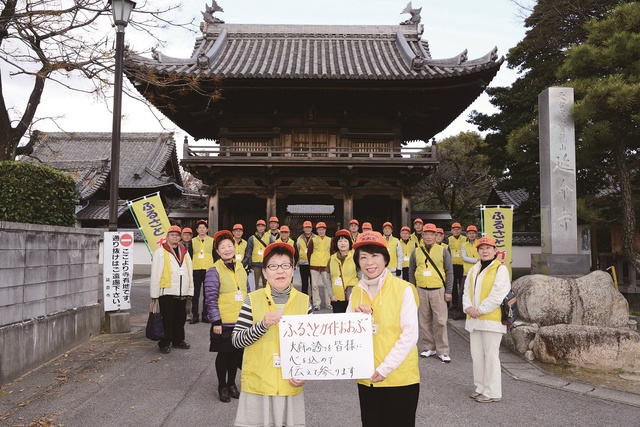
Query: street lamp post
[(121, 13)]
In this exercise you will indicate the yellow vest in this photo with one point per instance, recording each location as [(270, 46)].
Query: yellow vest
[(230, 284), (241, 248), (407, 248), (302, 246), (487, 284), (343, 275), (288, 242), (202, 253), (258, 248), (456, 249), (392, 247), (387, 306), (444, 245), (471, 251), (165, 279), (427, 277), (321, 251), (259, 376), (417, 240)]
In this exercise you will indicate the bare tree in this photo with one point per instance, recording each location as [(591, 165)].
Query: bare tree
[(69, 43)]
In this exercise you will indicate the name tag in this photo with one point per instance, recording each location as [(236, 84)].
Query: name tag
[(239, 296), (276, 360), (338, 281), (374, 328), (426, 273), (238, 257), (200, 256), (260, 252), (456, 255), (406, 258)]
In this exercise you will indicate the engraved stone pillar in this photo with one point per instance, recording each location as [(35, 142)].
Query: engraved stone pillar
[(558, 215)]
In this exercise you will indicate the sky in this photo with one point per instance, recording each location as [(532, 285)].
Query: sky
[(449, 26)]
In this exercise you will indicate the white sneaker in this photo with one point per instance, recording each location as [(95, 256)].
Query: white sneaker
[(428, 353), (445, 358), (329, 307), (316, 308)]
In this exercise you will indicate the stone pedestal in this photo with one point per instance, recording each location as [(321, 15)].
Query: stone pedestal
[(561, 264), (117, 322)]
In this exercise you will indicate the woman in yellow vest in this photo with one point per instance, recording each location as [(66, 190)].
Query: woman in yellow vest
[(342, 271), (226, 288), (390, 396), (267, 399), (484, 289), (171, 283)]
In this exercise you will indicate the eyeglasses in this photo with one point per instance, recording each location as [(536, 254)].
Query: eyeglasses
[(284, 266)]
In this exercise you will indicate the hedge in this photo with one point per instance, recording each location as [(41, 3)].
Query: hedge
[(36, 194)]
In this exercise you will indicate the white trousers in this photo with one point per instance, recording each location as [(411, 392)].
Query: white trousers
[(485, 354), (319, 278)]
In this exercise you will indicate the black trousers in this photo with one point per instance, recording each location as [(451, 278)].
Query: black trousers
[(339, 306), (305, 278), (405, 274), (458, 286), (388, 406), (198, 284), (174, 314)]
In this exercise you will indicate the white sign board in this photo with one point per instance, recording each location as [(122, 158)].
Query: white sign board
[(326, 346), (118, 270)]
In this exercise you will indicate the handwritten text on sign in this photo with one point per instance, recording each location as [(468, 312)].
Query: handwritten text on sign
[(326, 346)]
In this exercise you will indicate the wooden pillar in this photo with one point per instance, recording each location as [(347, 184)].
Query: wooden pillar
[(214, 212), (405, 205), (347, 206), (271, 206)]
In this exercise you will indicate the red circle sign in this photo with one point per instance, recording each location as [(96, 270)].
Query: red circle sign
[(126, 240)]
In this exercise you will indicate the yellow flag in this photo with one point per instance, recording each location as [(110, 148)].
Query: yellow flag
[(498, 224), (151, 218)]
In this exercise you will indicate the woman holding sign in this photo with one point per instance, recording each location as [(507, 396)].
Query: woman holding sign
[(267, 399), (390, 396), (342, 271), (225, 289)]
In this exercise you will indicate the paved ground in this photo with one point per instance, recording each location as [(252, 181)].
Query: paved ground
[(122, 380)]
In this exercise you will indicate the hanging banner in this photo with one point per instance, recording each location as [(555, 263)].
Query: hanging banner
[(498, 224), (326, 346), (118, 270), (151, 219)]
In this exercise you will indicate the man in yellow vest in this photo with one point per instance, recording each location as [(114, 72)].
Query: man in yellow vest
[(241, 244), (408, 245), (274, 232), (353, 229), (303, 262), (202, 261), (395, 249), (440, 238), (256, 245), (430, 269), (318, 252), (417, 234), (366, 226), (455, 242), (171, 283), (285, 232)]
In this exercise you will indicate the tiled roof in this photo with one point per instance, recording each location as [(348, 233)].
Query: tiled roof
[(514, 197), (375, 52), (99, 210), (86, 156)]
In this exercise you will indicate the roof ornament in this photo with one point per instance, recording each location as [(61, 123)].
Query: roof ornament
[(415, 15), (209, 11)]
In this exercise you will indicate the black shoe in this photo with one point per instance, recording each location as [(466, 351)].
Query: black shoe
[(183, 345), (205, 319), (165, 350), (233, 391), (194, 320), (224, 395)]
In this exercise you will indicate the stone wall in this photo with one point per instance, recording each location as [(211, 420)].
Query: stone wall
[(50, 293)]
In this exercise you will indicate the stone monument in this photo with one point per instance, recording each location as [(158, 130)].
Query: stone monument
[(558, 214)]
